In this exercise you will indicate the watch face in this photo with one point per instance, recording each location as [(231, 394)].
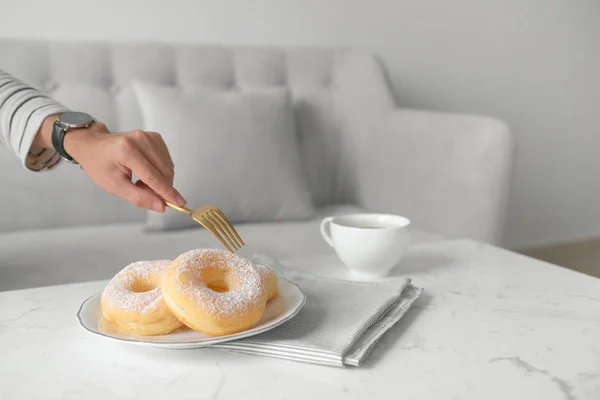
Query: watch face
[(75, 119)]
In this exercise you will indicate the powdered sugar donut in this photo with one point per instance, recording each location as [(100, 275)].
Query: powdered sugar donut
[(270, 280), (215, 292), (133, 300)]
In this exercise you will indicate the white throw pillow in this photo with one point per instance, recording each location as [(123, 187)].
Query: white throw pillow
[(235, 150)]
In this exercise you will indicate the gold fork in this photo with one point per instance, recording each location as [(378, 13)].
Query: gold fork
[(216, 223)]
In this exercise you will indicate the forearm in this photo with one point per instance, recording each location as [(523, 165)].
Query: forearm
[(24, 115), (43, 137)]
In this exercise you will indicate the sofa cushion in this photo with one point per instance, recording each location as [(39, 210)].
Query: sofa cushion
[(237, 150), (66, 255)]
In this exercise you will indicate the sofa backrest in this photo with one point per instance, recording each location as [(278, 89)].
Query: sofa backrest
[(337, 94)]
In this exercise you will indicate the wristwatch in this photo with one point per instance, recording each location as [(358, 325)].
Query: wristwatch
[(63, 124)]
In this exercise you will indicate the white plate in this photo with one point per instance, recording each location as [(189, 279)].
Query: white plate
[(282, 308)]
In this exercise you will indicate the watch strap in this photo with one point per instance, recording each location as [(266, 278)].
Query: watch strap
[(58, 139)]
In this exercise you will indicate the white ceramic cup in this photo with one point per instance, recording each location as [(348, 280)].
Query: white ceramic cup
[(370, 245)]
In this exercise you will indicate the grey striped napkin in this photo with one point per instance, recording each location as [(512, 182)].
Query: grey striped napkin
[(340, 323)]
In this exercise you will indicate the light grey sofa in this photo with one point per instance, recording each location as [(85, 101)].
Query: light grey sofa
[(449, 173)]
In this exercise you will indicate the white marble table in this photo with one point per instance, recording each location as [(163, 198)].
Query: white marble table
[(491, 325)]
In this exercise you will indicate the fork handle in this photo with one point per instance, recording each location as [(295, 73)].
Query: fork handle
[(184, 210)]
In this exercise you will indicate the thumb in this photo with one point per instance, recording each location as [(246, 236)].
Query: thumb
[(140, 195)]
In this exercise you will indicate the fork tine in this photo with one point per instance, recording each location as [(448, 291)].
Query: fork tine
[(225, 226), (219, 213), (223, 229), (209, 227)]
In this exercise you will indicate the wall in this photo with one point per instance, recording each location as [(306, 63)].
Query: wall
[(534, 63)]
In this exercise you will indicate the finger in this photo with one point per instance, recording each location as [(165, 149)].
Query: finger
[(134, 159), (163, 147), (155, 152), (139, 195), (142, 185), (159, 206), (157, 160)]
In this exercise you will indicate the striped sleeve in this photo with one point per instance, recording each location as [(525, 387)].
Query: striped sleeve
[(22, 111)]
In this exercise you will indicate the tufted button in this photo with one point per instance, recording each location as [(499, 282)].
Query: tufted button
[(51, 86), (115, 89)]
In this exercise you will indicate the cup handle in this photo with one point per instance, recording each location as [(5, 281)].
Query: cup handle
[(326, 230)]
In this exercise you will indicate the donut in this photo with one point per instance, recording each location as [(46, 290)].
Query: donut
[(270, 280), (133, 300), (214, 291)]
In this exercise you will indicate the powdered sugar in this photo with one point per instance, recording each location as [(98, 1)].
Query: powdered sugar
[(263, 270), (120, 292), (246, 287)]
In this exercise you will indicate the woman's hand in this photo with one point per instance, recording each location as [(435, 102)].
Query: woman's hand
[(111, 159)]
